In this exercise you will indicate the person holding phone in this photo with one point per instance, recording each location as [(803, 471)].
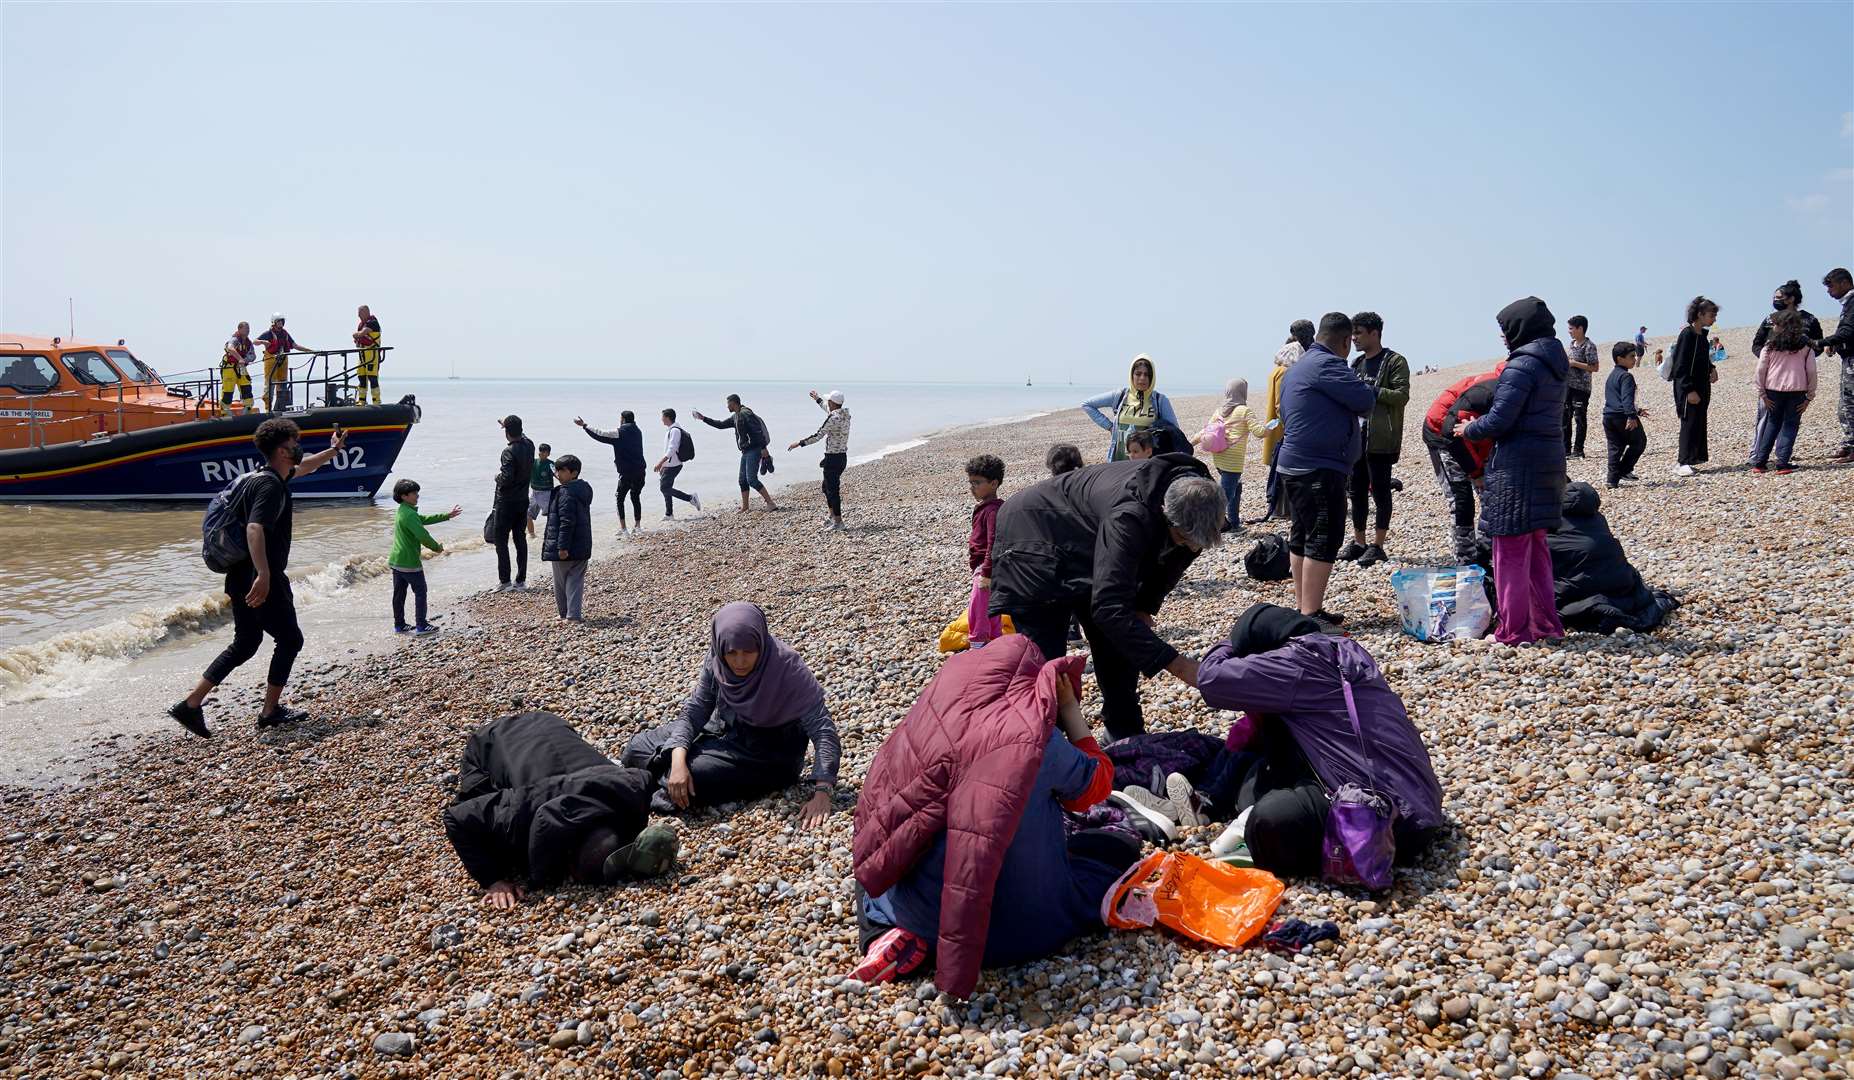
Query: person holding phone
[(259, 587)]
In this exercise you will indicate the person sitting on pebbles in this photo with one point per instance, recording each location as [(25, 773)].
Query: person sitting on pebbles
[(1325, 720), (961, 848), (537, 803), (742, 732)]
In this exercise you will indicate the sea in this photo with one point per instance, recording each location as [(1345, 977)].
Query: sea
[(96, 597)]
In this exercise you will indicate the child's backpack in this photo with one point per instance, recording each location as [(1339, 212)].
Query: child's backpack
[(687, 451), (222, 535), (1215, 437)]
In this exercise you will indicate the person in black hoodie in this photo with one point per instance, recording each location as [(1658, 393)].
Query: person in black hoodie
[(536, 802), (627, 443), (1104, 545), (567, 543), (1595, 587), (511, 504)]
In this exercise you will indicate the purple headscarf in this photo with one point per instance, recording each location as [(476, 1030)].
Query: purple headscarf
[(780, 690)]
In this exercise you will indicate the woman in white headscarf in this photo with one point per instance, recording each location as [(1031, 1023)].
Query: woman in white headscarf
[(1237, 428)]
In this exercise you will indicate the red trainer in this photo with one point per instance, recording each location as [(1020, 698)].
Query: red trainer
[(1786, 470), (892, 955)]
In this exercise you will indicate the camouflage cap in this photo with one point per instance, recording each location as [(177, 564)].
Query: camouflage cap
[(651, 854)]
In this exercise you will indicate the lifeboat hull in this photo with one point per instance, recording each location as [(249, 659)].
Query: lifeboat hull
[(195, 460)]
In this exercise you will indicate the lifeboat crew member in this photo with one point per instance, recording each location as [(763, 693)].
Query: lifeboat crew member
[(278, 345), (235, 367), (367, 337)]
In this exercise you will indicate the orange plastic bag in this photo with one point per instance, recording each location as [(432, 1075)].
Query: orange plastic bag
[(957, 635), (1214, 903)]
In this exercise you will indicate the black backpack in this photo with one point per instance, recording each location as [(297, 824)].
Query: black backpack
[(222, 533), (687, 452), (1268, 559), (758, 438)]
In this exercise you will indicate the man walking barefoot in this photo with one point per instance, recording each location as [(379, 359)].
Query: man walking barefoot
[(259, 587)]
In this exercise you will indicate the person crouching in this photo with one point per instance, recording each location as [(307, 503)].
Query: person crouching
[(537, 804)]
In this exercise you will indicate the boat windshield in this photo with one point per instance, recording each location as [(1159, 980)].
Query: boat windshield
[(90, 367), (126, 361), (27, 374)]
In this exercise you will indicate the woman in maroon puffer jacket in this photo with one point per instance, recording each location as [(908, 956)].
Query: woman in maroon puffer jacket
[(959, 833)]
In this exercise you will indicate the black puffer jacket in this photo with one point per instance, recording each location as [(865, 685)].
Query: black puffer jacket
[(569, 522), (528, 791), (1097, 534), (1524, 484), (1596, 587)]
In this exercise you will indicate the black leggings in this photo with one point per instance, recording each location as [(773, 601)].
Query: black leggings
[(1372, 477), (833, 466), (631, 484), (731, 766), (512, 527), (276, 616)]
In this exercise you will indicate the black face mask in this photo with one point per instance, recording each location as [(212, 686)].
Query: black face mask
[(296, 453), (1778, 305)]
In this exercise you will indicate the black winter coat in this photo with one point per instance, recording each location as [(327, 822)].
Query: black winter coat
[(1596, 587), (1096, 535), (528, 791), (569, 522), (517, 468), (1524, 483)]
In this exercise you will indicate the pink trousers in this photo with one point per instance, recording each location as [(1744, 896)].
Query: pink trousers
[(1522, 583)]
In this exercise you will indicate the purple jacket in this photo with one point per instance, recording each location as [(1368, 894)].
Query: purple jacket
[(1300, 683)]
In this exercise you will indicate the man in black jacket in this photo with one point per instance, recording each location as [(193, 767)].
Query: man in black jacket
[(1105, 545), (1840, 285), (752, 440), (538, 803), (511, 503), (627, 443)]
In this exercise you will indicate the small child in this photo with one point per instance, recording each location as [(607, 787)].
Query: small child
[(407, 559), (1622, 423), (1062, 458), (1238, 428), (1139, 444), (985, 475), (540, 484), (567, 543)]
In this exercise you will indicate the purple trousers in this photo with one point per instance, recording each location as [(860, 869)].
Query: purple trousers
[(1522, 582)]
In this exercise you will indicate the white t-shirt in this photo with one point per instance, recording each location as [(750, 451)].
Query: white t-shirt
[(673, 444)]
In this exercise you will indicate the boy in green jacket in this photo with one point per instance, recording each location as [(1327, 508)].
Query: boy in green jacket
[(407, 558)]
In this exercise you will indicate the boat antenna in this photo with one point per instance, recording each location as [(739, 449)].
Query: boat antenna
[(70, 309)]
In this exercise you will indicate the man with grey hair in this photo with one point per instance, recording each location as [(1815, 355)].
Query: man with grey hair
[(1105, 545)]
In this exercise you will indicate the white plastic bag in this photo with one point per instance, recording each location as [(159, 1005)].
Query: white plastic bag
[(1442, 603)]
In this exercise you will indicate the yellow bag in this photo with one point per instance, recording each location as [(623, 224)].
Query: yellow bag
[(956, 636)]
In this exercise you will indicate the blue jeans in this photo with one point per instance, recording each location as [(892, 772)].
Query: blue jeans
[(1232, 495), (1781, 421), (750, 471)]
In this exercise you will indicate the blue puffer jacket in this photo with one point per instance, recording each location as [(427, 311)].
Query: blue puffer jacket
[(1525, 477)]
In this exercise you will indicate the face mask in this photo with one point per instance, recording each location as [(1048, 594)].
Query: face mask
[(1778, 305), (296, 453)]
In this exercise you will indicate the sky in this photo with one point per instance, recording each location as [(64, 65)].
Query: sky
[(960, 193)]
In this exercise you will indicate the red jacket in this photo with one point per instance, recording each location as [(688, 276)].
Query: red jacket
[(1450, 402), (984, 527), (963, 762)]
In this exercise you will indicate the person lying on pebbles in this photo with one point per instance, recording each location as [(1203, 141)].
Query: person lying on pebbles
[(1104, 545), (960, 845), (1314, 737), (742, 732), (537, 803)]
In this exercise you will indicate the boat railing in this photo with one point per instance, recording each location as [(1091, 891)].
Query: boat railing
[(55, 417)]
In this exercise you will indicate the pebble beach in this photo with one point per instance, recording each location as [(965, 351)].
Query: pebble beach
[(1649, 872)]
